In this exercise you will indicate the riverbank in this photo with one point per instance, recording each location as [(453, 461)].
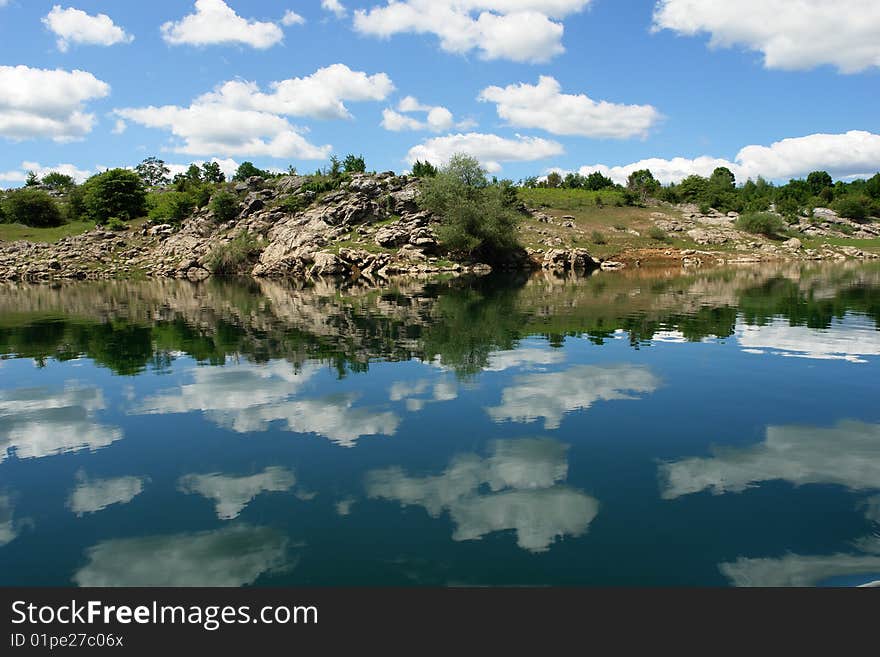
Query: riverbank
[(372, 227)]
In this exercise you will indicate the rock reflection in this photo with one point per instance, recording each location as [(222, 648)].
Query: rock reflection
[(525, 493)]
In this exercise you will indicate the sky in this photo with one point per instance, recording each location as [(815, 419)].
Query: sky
[(766, 87)]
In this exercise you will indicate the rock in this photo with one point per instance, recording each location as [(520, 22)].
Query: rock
[(610, 265), (327, 264), (794, 243)]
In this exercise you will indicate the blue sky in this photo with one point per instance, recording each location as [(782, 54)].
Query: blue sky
[(525, 85)]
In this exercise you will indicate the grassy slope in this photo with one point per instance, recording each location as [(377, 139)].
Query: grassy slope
[(14, 232)]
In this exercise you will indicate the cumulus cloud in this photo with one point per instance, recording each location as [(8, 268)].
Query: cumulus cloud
[(544, 106), (842, 155), (491, 150), (516, 30), (552, 395), (44, 103), (851, 340), (38, 422), (232, 556), (292, 18), (790, 35), (247, 398), (20, 175), (232, 494), (238, 119), (437, 118), (215, 22), (847, 454), (334, 6), (74, 26), (93, 495), (517, 487)]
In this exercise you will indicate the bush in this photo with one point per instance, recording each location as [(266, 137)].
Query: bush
[(760, 223), (656, 233), (32, 207), (852, 207), (231, 258), (598, 238), (171, 207), (354, 164), (224, 205), (477, 218), (294, 204), (114, 193), (116, 224)]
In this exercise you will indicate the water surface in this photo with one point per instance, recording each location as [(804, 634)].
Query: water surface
[(643, 428)]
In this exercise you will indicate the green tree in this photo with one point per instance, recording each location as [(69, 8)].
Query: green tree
[(224, 205), (248, 170), (693, 189), (32, 207), (553, 180), (643, 183), (32, 179), (211, 173), (819, 180), (722, 179), (477, 217), (153, 172), (596, 181), (354, 164), (114, 193), (423, 169), (872, 186), (58, 181)]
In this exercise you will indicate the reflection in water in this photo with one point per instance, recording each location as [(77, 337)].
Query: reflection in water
[(499, 361), (847, 454), (232, 494), (92, 495), (8, 528), (552, 395), (232, 556), (523, 477), (37, 422), (799, 570), (851, 340)]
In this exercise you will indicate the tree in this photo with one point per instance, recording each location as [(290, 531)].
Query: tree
[(211, 173), (819, 180), (478, 218), (596, 181), (643, 183), (423, 169), (32, 179), (722, 179), (574, 181), (153, 172), (693, 188), (248, 170), (872, 186), (335, 167), (58, 181), (32, 207), (354, 164), (554, 180), (114, 193)]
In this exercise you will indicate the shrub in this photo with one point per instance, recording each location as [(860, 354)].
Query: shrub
[(619, 227), (58, 181), (851, 207), (224, 205), (477, 218), (760, 223), (597, 238), (354, 164), (846, 229), (114, 193), (294, 204), (423, 169), (32, 207), (171, 207), (231, 258), (116, 224), (657, 233)]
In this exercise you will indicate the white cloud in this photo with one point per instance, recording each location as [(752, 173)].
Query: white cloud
[(37, 422), (238, 119), (847, 454), (525, 493), (850, 340), (20, 175), (92, 495), (44, 103), (334, 6), (544, 106), (842, 155), (74, 26), (551, 396), (232, 494), (292, 18), (437, 118), (524, 357), (491, 150), (8, 527), (232, 556), (215, 22), (791, 35), (799, 570), (517, 30), (119, 127)]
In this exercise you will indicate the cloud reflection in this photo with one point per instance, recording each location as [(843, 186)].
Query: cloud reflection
[(93, 495), (849, 340), (232, 494)]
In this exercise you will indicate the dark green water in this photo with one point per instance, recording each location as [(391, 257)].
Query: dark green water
[(642, 428)]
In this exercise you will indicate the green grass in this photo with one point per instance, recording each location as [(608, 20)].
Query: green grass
[(568, 199), (14, 232)]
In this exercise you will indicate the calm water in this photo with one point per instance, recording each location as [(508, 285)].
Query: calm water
[(641, 428)]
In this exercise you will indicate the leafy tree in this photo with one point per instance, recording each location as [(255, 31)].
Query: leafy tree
[(211, 173), (643, 183), (852, 207), (32, 207), (335, 167), (693, 189), (172, 207), (819, 180), (114, 193), (477, 217), (762, 223), (596, 181), (872, 186), (224, 205), (153, 172), (32, 179), (354, 164), (553, 180), (58, 181), (722, 179), (248, 170), (423, 169)]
